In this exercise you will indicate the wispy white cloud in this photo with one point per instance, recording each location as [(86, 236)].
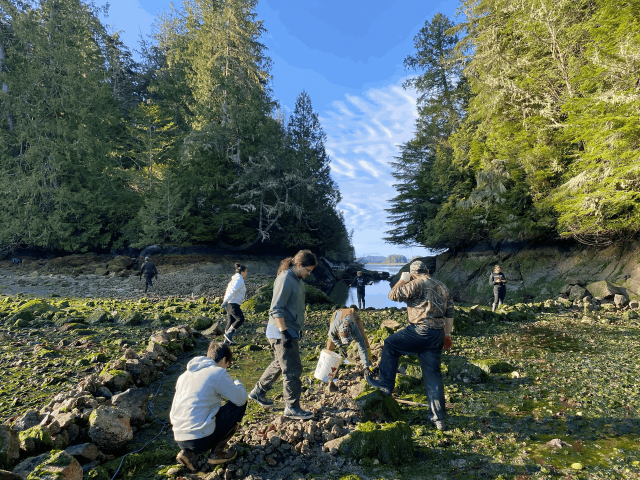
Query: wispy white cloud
[(363, 134)]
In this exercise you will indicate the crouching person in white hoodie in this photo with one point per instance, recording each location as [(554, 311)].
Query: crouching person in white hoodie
[(200, 422)]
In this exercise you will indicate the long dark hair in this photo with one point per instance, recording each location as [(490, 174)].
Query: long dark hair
[(304, 258), (239, 268)]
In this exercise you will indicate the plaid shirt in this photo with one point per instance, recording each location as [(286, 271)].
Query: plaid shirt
[(428, 300)]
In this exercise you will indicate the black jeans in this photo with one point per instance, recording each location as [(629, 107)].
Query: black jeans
[(499, 292), (360, 297), (227, 418), (288, 363), (427, 343), (235, 317)]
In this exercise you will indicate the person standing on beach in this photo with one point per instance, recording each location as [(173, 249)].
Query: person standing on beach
[(359, 282), (233, 297), (149, 270), (498, 280), (286, 320)]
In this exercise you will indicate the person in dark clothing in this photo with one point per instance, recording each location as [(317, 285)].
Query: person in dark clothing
[(359, 282), (149, 271), (498, 280)]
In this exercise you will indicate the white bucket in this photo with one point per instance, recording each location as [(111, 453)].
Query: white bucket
[(328, 364)]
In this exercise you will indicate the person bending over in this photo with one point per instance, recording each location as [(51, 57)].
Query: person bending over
[(345, 327), (199, 420)]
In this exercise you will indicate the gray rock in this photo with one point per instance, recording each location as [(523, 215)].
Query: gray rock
[(98, 316), (24, 468), (135, 402), (57, 465), (86, 451), (634, 304), (5, 475), (620, 300), (30, 419), (577, 292), (9, 446), (139, 371), (104, 392), (110, 428), (214, 330)]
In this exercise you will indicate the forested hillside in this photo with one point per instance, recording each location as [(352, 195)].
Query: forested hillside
[(189, 146), (528, 128)]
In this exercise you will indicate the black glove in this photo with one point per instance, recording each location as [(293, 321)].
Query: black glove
[(287, 339), (343, 352)]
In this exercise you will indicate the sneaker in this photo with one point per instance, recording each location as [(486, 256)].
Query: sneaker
[(297, 413), (223, 456), (439, 425), (229, 340), (374, 384), (187, 459), (258, 396)]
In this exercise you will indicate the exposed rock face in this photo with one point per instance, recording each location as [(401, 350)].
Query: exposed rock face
[(9, 446), (110, 428)]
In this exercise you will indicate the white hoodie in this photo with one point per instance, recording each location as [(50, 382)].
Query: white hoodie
[(198, 396), (236, 290)]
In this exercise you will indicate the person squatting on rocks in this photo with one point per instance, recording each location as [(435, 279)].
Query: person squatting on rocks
[(430, 314), (233, 297), (360, 284), (345, 327), (199, 420), (149, 270), (286, 320), (498, 280)]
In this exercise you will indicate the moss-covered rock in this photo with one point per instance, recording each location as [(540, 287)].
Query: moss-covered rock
[(9, 446), (380, 334), (97, 316), (201, 323), (390, 443), (35, 439), (116, 380), (131, 318), (375, 406), (459, 369), (97, 473), (58, 465), (261, 300), (493, 365)]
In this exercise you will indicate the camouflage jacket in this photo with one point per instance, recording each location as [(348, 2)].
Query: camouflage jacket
[(428, 300)]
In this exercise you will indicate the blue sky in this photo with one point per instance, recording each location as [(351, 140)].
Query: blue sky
[(347, 55)]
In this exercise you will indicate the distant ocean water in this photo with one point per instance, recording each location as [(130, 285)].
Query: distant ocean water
[(376, 294)]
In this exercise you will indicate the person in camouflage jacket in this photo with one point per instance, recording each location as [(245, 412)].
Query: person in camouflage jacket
[(430, 312)]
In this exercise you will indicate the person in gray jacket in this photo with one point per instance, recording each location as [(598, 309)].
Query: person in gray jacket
[(286, 320), (346, 327), (199, 420)]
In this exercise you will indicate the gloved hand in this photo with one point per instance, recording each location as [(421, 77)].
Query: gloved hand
[(406, 276), (342, 351), (224, 304), (447, 342), (367, 371), (287, 339), (369, 356)]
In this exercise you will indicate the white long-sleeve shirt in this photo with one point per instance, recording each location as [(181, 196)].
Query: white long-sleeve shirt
[(198, 398), (236, 290)]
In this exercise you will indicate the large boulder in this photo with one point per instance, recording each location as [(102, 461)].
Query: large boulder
[(119, 263), (98, 316), (134, 401), (110, 428), (35, 440), (603, 289), (58, 465), (116, 380), (9, 446), (31, 418), (576, 293), (28, 465), (139, 371), (620, 300), (86, 452), (373, 405), (459, 369), (390, 443)]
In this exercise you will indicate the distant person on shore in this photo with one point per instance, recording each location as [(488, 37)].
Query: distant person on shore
[(149, 271), (233, 297), (199, 420), (359, 282), (346, 327), (498, 280), (430, 314), (286, 320)]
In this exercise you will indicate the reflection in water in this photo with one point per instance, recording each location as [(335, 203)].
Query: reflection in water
[(376, 294)]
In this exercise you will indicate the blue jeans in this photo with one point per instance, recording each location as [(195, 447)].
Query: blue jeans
[(427, 344)]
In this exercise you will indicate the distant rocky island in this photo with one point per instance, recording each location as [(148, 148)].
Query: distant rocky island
[(381, 259)]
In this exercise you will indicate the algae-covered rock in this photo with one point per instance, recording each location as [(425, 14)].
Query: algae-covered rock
[(9, 446), (564, 302), (35, 439), (97, 473), (110, 428), (58, 465), (98, 316), (391, 443), (629, 315), (261, 300), (201, 323), (131, 318), (577, 292), (603, 289), (380, 334), (116, 380), (375, 406), (493, 365), (459, 369)]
